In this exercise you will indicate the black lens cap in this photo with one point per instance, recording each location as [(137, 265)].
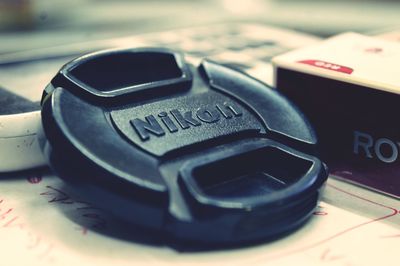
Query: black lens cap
[(203, 153)]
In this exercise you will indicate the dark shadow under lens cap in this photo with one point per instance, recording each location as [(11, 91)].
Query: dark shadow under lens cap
[(203, 153)]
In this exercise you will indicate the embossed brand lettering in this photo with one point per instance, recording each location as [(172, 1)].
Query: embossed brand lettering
[(175, 120), (366, 146)]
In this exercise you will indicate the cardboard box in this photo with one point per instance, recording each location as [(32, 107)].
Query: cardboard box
[(349, 88)]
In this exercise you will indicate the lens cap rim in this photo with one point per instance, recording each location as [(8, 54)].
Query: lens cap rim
[(98, 182)]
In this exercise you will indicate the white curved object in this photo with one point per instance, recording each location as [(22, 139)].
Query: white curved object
[(19, 147)]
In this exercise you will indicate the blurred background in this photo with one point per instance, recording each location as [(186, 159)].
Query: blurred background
[(30, 24)]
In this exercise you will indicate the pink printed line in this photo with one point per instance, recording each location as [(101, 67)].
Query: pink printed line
[(10, 221), (326, 256), (393, 213), (34, 242), (364, 199), (323, 241), (391, 236), (46, 253)]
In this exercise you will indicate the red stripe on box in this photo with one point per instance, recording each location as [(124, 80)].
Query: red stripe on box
[(327, 65)]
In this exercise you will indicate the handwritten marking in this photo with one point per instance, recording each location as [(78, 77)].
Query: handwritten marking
[(34, 242), (374, 50), (327, 256), (57, 196), (12, 223), (91, 219), (46, 252), (99, 222), (5, 214), (87, 206)]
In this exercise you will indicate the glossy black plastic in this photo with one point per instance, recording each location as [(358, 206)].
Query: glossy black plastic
[(203, 153)]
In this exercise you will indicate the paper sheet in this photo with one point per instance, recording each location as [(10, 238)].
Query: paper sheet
[(43, 223)]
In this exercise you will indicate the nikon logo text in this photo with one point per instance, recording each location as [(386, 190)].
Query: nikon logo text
[(175, 120)]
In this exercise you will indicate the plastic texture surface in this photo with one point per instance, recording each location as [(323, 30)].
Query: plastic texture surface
[(202, 153), (19, 123)]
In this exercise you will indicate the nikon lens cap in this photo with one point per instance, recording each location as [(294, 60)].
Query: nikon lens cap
[(202, 153)]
